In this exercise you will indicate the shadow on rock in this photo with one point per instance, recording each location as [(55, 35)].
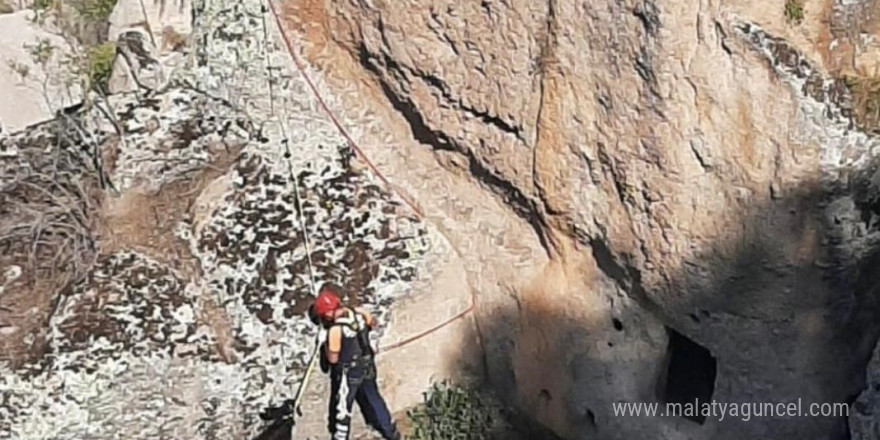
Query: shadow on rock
[(781, 311), (282, 421)]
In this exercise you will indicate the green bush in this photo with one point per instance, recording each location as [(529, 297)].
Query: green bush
[(100, 64), (794, 11), (451, 412), (94, 10)]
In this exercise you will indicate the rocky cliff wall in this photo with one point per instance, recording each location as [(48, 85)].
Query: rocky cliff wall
[(690, 169), (651, 201)]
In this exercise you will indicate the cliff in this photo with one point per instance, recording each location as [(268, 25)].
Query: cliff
[(643, 201), (692, 181)]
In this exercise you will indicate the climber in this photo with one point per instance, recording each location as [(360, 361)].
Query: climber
[(349, 358)]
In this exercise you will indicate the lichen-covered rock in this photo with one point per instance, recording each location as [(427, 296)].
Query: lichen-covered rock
[(864, 419), (192, 318), (136, 66)]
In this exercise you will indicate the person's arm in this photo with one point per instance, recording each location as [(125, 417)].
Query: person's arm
[(334, 344), (368, 317)]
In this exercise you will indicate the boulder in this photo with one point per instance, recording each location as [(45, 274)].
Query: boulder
[(167, 23), (135, 66)]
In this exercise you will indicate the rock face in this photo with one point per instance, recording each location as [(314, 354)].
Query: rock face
[(689, 169), (649, 202), (167, 22), (864, 420)]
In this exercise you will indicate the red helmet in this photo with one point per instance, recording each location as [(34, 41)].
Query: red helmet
[(326, 302)]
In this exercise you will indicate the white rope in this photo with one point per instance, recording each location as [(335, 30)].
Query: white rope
[(288, 154)]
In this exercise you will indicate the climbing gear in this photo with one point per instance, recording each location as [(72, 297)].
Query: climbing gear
[(360, 353), (353, 379), (326, 303)]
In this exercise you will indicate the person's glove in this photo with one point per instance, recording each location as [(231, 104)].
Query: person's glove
[(314, 316)]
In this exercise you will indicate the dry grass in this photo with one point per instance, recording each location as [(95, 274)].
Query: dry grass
[(49, 219), (865, 92), (49, 197)]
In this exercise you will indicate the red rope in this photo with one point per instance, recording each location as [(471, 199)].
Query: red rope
[(302, 70)]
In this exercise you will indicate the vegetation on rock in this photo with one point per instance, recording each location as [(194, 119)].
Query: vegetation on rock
[(794, 11), (84, 24), (95, 10), (99, 61), (91, 10), (451, 411)]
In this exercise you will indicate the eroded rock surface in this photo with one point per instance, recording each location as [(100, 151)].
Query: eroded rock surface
[(691, 169)]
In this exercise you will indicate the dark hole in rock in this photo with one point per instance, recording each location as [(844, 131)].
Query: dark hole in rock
[(690, 376), (694, 317), (591, 418), (617, 324), (610, 344), (545, 395)]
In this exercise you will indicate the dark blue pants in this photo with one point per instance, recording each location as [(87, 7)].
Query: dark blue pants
[(357, 384)]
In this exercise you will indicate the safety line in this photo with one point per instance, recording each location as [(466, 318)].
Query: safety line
[(288, 155), (302, 70)]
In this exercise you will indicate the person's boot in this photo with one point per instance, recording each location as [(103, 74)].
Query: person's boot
[(395, 434)]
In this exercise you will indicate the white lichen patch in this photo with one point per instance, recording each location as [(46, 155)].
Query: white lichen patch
[(824, 108), (110, 332), (847, 155), (127, 304)]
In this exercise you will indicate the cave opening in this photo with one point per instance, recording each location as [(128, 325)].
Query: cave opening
[(689, 377)]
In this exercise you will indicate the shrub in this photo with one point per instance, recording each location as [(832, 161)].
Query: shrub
[(794, 11), (94, 10), (41, 51), (451, 412), (100, 65)]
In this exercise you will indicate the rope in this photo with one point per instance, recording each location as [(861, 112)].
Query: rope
[(302, 70), (313, 361), (287, 156)]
